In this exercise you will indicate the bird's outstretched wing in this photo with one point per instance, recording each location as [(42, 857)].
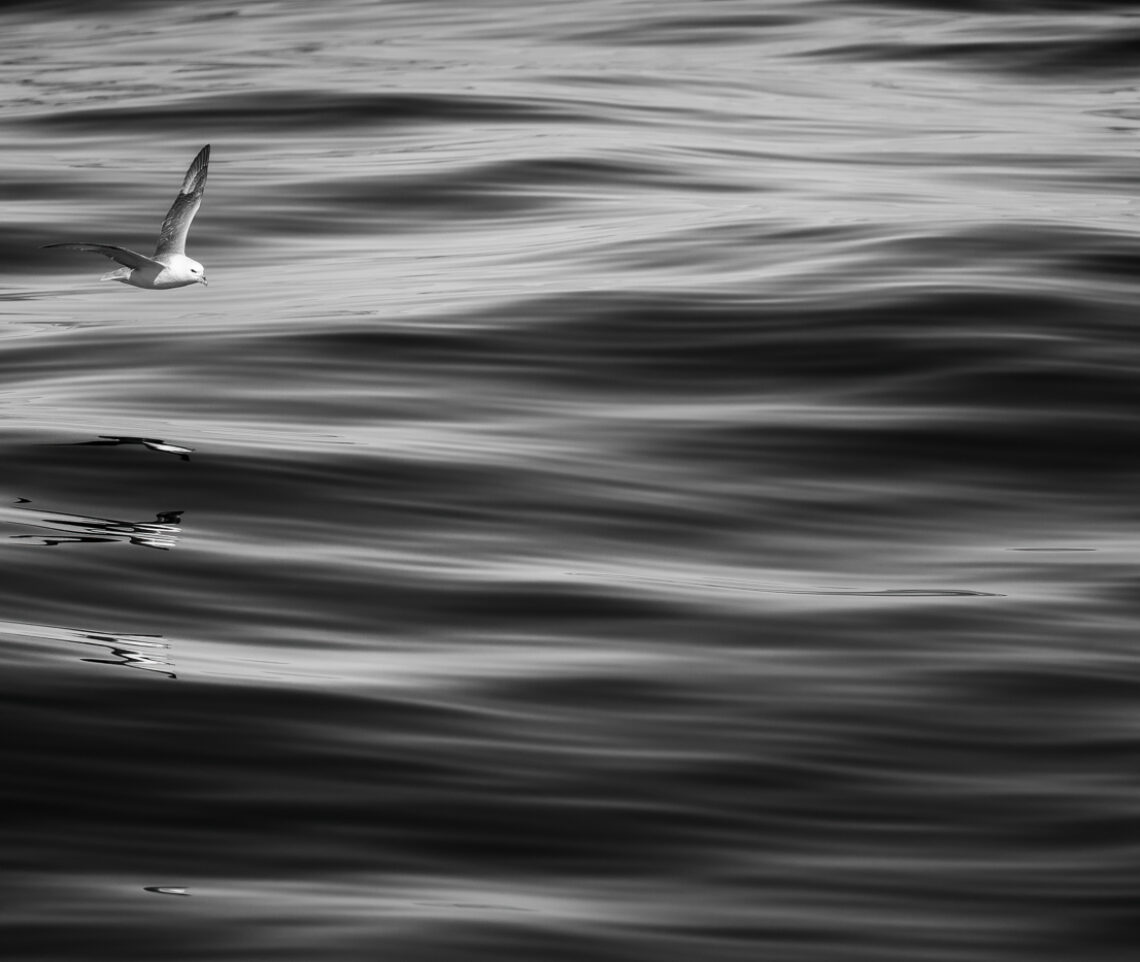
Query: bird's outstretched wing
[(172, 238), (127, 258)]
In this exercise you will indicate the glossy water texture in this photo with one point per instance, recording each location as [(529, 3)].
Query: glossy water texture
[(646, 481)]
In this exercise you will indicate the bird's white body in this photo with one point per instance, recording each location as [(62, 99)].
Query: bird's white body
[(169, 266), (164, 272)]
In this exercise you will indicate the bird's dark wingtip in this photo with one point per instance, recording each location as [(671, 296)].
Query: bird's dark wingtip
[(202, 160)]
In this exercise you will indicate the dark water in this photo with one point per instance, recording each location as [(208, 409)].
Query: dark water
[(645, 481)]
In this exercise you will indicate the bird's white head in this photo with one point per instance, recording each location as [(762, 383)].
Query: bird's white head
[(179, 270), (196, 271)]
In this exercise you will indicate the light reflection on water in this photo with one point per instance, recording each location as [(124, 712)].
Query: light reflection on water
[(66, 528), (141, 652)]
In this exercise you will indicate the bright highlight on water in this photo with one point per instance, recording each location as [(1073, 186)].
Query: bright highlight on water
[(169, 267)]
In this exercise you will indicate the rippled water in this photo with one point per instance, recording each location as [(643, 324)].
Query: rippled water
[(645, 481)]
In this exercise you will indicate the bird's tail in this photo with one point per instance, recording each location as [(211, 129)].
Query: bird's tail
[(120, 275)]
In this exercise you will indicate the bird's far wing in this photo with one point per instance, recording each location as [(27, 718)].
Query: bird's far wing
[(127, 258), (172, 238)]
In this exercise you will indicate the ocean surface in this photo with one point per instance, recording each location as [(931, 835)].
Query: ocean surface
[(646, 481)]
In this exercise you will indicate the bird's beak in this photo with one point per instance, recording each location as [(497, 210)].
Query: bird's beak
[(203, 280)]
